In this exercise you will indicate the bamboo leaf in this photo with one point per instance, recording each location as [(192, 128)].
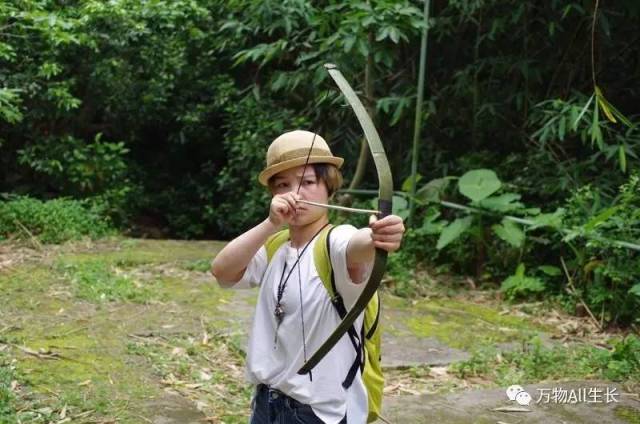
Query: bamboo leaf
[(611, 110), (606, 110), (582, 112), (596, 133)]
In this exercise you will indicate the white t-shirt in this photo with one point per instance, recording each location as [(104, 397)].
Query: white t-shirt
[(276, 363)]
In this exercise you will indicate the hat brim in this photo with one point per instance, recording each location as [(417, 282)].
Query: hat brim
[(292, 163)]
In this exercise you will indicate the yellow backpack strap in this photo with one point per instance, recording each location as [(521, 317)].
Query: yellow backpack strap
[(274, 242), (322, 260)]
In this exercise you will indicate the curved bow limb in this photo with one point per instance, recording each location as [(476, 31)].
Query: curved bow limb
[(385, 194)]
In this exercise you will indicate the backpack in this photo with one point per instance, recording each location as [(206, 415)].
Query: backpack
[(368, 358)]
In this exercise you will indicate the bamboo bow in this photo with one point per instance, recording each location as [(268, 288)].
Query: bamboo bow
[(385, 195)]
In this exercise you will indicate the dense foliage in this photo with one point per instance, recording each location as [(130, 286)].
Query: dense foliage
[(55, 221), (161, 111)]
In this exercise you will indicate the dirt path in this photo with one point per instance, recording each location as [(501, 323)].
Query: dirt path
[(135, 331)]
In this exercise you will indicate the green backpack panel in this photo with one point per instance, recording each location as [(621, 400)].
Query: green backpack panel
[(368, 358)]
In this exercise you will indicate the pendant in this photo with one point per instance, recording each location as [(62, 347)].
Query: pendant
[(279, 313)]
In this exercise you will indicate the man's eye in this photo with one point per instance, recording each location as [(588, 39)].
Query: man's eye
[(309, 182), (281, 185)]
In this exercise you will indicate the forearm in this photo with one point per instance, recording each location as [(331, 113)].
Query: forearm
[(230, 263), (360, 250)]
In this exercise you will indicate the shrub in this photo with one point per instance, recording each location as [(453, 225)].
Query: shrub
[(53, 221)]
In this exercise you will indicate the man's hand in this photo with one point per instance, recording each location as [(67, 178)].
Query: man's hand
[(387, 232), (283, 208)]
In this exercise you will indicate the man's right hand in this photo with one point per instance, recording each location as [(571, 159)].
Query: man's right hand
[(283, 208)]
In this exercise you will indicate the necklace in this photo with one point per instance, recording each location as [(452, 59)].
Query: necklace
[(279, 312)]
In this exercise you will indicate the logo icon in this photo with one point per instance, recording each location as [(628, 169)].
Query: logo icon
[(518, 394)]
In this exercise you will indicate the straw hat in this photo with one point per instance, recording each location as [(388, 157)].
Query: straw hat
[(291, 149)]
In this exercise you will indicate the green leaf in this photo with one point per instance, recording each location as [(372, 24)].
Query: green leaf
[(394, 34), (400, 207), (408, 183), (635, 290), (622, 158), (504, 203), (596, 133), (510, 232), (553, 220), (600, 218), (479, 184), (431, 191), (452, 231), (550, 270), (430, 224), (519, 284)]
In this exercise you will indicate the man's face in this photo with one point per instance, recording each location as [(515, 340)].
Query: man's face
[(311, 188)]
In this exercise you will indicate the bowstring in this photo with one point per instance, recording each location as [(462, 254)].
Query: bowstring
[(304, 339)]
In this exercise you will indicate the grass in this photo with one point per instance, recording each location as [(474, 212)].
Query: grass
[(99, 281), (7, 397), (538, 363)]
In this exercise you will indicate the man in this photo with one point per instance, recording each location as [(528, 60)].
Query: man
[(294, 314)]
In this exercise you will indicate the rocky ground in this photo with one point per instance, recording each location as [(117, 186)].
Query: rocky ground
[(136, 331)]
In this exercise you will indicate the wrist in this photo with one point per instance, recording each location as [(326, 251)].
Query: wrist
[(271, 226)]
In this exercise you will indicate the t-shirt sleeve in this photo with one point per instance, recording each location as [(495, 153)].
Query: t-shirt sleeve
[(339, 239), (255, 270)]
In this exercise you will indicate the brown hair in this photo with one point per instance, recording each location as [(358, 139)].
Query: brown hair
[(326, 172), (330, 175)]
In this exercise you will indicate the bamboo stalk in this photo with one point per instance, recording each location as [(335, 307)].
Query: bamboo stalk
[(417, 125)]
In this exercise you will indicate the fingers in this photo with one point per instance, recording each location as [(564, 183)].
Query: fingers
[(283, 207), (286, 203), (387, 232), (390, 224)]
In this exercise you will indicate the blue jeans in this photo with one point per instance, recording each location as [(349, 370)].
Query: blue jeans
[(271, 406)]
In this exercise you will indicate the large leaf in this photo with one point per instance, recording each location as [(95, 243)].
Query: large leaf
[(400, 207), (479, 184), (453, 231), (510, 232), (431, 225), (431, 191), (553, 220), (504, 203), (635, 290)]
